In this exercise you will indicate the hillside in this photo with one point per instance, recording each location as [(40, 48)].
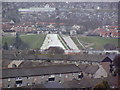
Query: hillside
[(34, 41), (94, 42)]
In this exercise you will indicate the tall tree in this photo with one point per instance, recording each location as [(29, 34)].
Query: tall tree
[(102, 85), (5, 46), (109, 46), (19, 44), (55, 50), (117, 65)]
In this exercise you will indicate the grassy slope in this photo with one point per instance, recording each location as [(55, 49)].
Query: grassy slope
[(76, 42), (98, 41), (34, 41)]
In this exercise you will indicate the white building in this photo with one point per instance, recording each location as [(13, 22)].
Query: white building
[(47, 8)]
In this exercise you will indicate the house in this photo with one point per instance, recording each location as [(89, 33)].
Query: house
[(100, 73), (107, 64), (9, 33), (8, 55), (17, 77), (47, 8), (46, 85), (108, 31), (93, 71), (73, 32), (86, 58), (107, 59), (90, 83)]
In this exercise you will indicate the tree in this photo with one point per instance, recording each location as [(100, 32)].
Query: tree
[(116, 62), (5, 46), (54, 50), (19, 44), (10, 13), (109, 46), (102, 85)]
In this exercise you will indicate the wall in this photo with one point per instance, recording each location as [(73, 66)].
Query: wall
[(100, 73), (39, 79)]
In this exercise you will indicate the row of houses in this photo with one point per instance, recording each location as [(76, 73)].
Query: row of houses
[(19, 77), (78, 58), (108, 31), (38, 27), (31, 71), (16, 77)]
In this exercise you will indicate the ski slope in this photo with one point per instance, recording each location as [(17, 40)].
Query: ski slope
[(70, 42), (51, 40)]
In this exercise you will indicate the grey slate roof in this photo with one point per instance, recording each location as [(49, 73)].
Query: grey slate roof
[(91, 69), (112, 56), (89, 82), (46, 86), (5, 63), (88, 57), (42, 70), (78, 57), (53, 85), (8, 54)]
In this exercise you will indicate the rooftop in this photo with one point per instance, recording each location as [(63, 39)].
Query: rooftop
[(42, 70)]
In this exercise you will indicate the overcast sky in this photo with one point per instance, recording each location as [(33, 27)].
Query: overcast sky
[(59, 0)]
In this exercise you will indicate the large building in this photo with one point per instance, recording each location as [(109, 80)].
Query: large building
[(47, 8), (17, 77)]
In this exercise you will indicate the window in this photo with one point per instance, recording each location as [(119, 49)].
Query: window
[(59, 81), (8, 86), (51, 79), (19, 82), (80, 75)]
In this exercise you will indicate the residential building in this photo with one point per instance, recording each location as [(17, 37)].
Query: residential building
[(17, 77)]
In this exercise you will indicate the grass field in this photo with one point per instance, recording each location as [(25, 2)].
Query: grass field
[(34, 41), (99, 42)]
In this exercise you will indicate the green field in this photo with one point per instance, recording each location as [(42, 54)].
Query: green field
[(98, 42), (34, 41)]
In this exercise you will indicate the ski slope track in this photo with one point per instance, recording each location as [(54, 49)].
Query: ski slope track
[(70, 42), (52, 40)]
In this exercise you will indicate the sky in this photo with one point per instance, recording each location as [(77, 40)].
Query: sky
[(59, 0)]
